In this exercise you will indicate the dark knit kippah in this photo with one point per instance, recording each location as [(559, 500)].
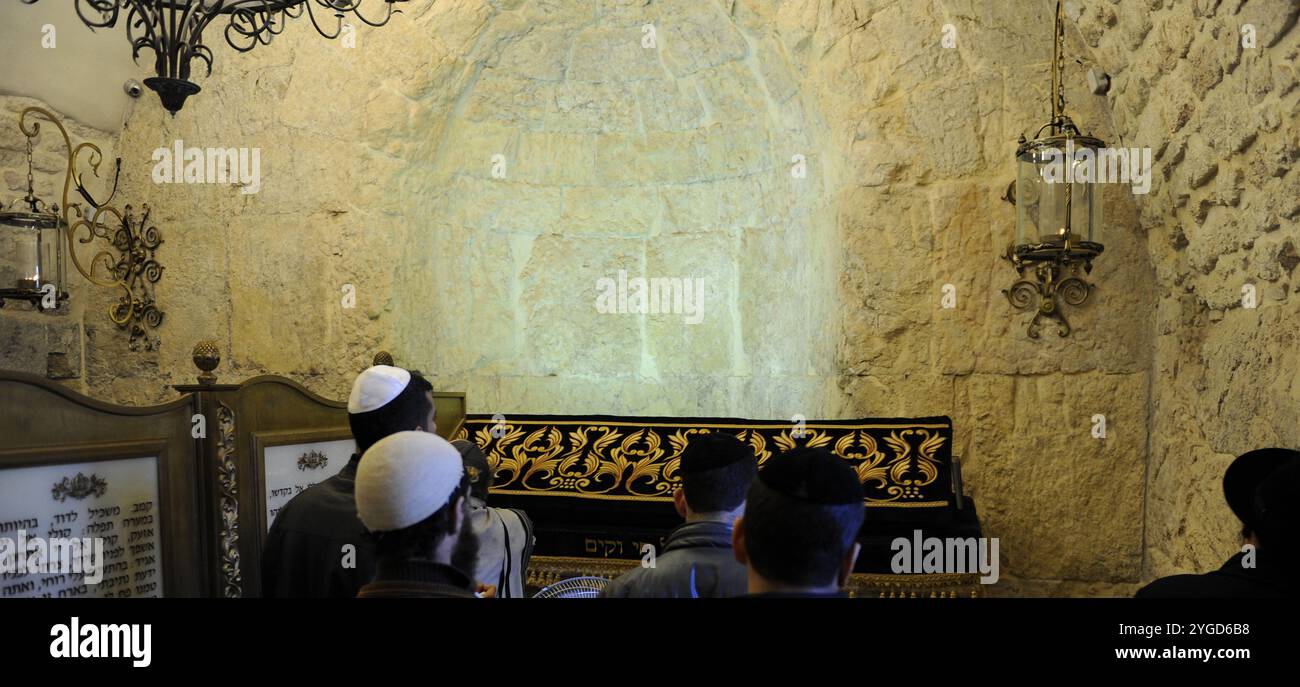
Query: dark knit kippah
[(813, 475), (714, 450)]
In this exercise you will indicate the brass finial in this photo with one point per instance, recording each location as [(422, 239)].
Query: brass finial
[(206, 357)]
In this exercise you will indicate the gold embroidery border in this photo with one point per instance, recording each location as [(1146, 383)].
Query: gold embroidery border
[(579, 495), (547, 570), (464, 433), (774, 425), (627, 497)]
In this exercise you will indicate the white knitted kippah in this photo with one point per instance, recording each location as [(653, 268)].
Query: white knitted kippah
[(404, 478), (376, 387)]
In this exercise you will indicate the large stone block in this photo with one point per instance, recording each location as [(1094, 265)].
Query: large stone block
[(662, 157), (625, 13), (693, 286), (946, 134), (697, 35), (501, 206), (556, 159), (726, 204), (45, 344), (621, 211), (733, 149), (785, 290), (498, 96), (472, 148), (564, 333), (542, 53), (1064, 504), (669, 104), (733, 93), (614, 54), (589, 107), (781, 80)]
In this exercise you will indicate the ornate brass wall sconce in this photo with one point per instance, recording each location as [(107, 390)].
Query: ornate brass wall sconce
[(38, 232), (1058, 211)]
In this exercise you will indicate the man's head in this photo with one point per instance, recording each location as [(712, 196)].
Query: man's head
[(1243, 479), (387, 399), (716, 470), (801, 522), (410, 493), (476, 468)]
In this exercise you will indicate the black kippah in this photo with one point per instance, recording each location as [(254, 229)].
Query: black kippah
[(476, 467), (812, 475), (714, 450)]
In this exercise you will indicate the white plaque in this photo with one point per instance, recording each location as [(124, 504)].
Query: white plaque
[(105, 507), (291, 468)]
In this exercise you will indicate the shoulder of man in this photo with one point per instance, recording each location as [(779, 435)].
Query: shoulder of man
[(625, 585), (522, 528), (303, 499), (1214, 584), (524, 520)]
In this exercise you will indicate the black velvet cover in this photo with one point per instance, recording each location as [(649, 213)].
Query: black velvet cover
[(601, 486)]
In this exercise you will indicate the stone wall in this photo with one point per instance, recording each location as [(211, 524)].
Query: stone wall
[(660, 155), (471, 170), (919, 208), (1211, 87)]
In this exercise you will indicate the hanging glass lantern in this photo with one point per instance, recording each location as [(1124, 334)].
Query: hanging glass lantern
[(31, 234), (1058, 209), (1057, 203)]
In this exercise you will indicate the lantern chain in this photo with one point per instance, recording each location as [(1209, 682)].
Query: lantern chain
[(31, 183)]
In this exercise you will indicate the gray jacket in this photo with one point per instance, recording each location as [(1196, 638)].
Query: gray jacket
[(696, 562)]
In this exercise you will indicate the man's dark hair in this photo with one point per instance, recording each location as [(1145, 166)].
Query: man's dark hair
[(421, 539), (410, 409), (720, 488), (801, 541)]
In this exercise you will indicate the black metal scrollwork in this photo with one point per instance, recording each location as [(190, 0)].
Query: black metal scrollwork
[(173, 30), (136, 242)]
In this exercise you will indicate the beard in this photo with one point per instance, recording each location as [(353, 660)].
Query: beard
[(464, 555)]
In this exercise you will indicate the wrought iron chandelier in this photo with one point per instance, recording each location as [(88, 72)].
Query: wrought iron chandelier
[(173, 30), (1057, 222)]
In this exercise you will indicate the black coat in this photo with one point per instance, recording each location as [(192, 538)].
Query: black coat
[(305, 555), (1230, 581)]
